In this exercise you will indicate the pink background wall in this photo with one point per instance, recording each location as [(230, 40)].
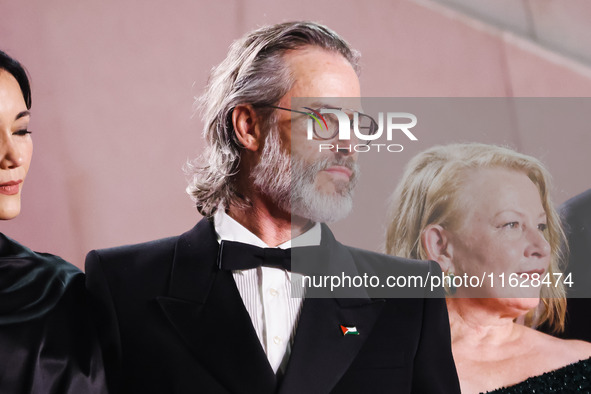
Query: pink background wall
[(114, 81)]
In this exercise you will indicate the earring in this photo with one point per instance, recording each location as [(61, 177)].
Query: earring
[(450, 288)]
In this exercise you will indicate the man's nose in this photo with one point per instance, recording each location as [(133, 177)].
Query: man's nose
[(346, 146)]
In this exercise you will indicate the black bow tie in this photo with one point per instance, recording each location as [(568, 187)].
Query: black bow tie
[(240, 256)]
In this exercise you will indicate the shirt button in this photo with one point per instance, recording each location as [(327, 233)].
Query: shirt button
[(273, 292), (277, 340)]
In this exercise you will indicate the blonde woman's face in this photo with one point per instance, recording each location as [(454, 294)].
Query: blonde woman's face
[(502, 234), (16, 146)]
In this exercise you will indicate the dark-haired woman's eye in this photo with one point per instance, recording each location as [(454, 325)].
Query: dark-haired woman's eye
[(22, 132)]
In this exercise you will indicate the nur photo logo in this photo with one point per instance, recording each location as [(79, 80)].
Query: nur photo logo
[(337, 123)]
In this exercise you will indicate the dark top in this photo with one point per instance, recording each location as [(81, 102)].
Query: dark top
[(46, 342), (173, 322), (573, 378), (576, 213)]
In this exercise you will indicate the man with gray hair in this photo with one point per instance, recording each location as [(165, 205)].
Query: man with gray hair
[(212, 310)]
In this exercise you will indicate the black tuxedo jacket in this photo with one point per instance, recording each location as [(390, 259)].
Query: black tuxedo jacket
[(172, 322), (576, 214)]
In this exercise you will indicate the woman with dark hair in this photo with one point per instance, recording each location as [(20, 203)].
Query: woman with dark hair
[(46, 342)]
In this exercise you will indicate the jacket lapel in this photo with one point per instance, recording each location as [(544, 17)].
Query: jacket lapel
[(205, 308), (321, 352)]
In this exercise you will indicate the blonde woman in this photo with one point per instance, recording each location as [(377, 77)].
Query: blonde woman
[(483, 210)]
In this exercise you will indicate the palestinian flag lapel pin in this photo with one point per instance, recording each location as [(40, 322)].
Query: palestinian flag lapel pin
[(349, 330)]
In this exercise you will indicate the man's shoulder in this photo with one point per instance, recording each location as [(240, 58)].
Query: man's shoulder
[(145, 249), (155, 250), (153, 257), (131, 261), (576, 218), (577, 204), (398, 278), (383, 261)]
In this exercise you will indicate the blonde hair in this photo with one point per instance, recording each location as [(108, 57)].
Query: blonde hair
[(430, 193)]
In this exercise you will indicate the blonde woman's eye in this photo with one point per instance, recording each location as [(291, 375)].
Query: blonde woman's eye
[(542, 226), (511, 225)]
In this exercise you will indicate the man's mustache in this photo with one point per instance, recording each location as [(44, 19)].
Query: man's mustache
[(324, 163)]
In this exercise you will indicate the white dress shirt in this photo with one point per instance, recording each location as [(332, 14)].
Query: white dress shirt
[(267, 292)]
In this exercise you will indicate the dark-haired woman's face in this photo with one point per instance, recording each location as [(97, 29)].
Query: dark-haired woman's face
[(16, 145)]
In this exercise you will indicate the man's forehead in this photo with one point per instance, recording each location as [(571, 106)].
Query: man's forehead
[(345, 103), (313, 60), (325, 76)]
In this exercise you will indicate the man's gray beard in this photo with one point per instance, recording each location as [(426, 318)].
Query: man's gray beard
[(294, 191)]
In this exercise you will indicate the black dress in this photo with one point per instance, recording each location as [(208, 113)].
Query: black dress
[(46, 342), (573, 378)]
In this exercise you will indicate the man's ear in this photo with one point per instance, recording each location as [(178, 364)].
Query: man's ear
[(436, 242), (247, 126)]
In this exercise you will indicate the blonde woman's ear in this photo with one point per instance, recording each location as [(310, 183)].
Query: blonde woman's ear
[(437, 246)]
